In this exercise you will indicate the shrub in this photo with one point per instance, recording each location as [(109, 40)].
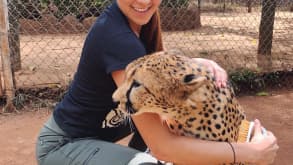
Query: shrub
[(77, 7)]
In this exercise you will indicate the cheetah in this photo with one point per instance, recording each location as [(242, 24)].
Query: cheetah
[(184, 92)]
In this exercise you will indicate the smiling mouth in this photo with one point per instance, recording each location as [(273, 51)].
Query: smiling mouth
[(141, 10)]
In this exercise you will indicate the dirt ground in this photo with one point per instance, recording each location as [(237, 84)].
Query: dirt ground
[(18, 131)]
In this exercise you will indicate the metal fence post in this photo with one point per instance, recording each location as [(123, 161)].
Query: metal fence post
[(5, 56)]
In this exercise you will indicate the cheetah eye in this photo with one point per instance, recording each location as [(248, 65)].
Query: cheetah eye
[(135, 84), (188, 78)]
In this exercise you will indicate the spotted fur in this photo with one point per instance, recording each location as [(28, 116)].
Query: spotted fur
[(184, 92)]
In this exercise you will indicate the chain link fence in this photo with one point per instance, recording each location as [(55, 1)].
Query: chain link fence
[(46, 36)]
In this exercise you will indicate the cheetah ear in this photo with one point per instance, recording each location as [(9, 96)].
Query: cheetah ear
[(194, 80)]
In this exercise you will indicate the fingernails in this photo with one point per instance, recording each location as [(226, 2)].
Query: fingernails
[(256, 121), (224, 84), (221, 84)]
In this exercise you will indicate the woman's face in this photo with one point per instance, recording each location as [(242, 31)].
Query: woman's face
[(138, 12)]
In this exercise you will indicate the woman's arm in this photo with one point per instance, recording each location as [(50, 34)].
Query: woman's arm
[(185, 150), (179, 149)]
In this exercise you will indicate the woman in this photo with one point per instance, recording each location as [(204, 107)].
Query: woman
[(83, 125)]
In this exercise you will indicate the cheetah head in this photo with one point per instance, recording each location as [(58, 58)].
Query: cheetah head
[(184, 93), (164, 83)]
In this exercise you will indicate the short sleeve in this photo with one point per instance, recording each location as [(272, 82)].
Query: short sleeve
[(120, 50)]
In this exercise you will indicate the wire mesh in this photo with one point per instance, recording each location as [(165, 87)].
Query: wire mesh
[(46, 36)]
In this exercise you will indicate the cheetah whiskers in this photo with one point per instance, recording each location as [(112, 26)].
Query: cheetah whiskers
[(129, 111)]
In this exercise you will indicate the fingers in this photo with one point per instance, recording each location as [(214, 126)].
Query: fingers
[(257, 135), (266, 144), (220, 74), (270, 134), (257, 127), (221, 77), (273, 153), (273, 139)]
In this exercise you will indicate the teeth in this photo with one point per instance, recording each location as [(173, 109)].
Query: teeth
[(141, 9)]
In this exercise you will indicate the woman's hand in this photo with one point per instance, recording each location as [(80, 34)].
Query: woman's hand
[(265, 145), (218, 72)]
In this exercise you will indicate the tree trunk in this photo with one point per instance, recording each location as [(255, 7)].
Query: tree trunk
[(199, 5), (249, 6), (266, 34), (224, 6)]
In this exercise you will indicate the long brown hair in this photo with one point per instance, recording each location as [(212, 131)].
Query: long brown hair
[(151, 34)]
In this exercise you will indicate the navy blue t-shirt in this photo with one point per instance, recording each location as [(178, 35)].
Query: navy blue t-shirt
[(110, 45)]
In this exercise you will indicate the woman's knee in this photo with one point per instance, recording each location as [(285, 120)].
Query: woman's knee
[(47, 142)]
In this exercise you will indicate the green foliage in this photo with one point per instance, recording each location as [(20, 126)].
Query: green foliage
[(247, 81), (65, 7), (262, 93), (39, 97), (33, 9), (175, 3), (25, 9)]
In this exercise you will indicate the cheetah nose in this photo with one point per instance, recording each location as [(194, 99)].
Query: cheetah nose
[(116, 98), (116, 102)]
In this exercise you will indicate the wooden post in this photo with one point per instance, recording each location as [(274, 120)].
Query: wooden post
[(5, 56), (13, 36)]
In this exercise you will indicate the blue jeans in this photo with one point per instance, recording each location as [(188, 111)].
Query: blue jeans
[(54, 147)]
